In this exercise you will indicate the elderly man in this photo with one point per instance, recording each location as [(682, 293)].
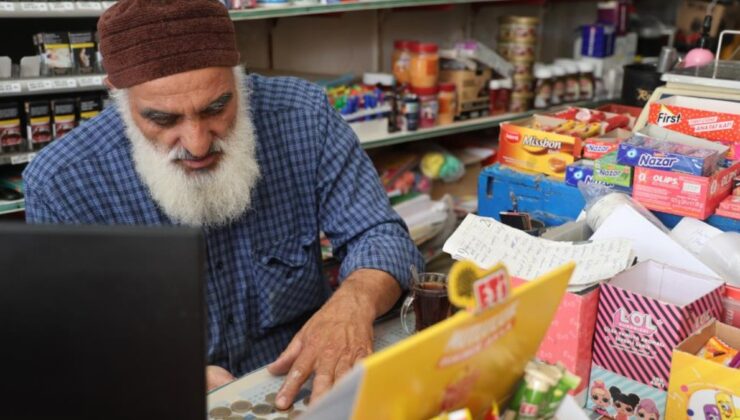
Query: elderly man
[(262, 165)]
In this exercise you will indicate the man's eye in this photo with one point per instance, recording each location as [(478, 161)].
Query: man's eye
[(213, 110), (164, 121)]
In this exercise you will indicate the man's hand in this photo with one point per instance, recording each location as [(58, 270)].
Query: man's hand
[(336, 337), (217, 376)]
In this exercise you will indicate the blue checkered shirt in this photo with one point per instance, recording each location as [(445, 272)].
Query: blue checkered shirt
[(264, 275)]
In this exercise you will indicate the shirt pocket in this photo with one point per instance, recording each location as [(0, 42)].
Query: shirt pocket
[(288, 282)]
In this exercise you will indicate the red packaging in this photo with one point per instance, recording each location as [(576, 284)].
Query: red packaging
[(683, 194), (705, 118), (598, 147), (730, 207)]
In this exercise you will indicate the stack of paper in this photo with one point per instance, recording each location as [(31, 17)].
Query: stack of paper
[(424, 217), (486, 242)]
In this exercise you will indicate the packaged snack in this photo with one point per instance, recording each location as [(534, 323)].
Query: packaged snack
[(717, 351), (657, 148), (11, 139), (607, 170)]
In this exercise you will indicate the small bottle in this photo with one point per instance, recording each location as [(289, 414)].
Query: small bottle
[(428, 106), (504, 96), (586, 80), (447, 103), (494, 90), (558, 84), (411, 112), (542, 87)]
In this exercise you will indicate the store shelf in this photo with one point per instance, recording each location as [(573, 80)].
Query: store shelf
[(454, 128), (16, 158), (312, 9), (48, 85), (61, 9)]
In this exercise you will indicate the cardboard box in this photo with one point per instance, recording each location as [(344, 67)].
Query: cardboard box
[(691, 15), (471, 85), (704, 387), (580, 171), (644, 312), (607, 170), (569, 340), (631, 112), (657, 148), (532, 149), (730, 207), (598, 147), (731, 302), (705, 118), (683, 194), (606, 388)]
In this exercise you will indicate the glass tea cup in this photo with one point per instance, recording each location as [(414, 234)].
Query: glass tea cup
[(428, 297)]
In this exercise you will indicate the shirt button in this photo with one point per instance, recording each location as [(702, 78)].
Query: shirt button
[(219, 265)]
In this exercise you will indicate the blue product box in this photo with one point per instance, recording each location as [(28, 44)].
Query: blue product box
[(597, 40), (634, 152), (583, 170), (615, 396), (551, 201)]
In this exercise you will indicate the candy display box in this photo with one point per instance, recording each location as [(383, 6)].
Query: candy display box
[(702, 388), (616, 396), (644, 312)]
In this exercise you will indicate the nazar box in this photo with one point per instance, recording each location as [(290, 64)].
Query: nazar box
[(644, 312), (703, 388), (609, 171)]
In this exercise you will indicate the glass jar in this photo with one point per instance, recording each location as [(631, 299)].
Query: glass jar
[(520, 29), (558, 84), (503, 99), (586, 80), (424, 70), (447, 103), (401, 61), (428, 105), (542, 87), (572, 80)]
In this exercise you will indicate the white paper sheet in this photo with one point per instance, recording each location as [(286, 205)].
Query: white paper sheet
[(486, 241), (648, 242)]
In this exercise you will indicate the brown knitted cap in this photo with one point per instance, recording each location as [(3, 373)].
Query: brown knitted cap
[(143, 40)]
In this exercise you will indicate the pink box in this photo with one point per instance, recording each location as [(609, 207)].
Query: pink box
[(644, 312), (569, 340), (683, 194)]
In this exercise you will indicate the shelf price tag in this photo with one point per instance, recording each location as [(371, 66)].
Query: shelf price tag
[(6, 6), (89, 5), (22, 158), (90, 81), (64, 6), (64, 83), (37, 85), (34, 6), (107, 4), (10, 87)]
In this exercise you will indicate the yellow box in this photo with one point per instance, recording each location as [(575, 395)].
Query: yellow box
[(533, 149), (701, 388)]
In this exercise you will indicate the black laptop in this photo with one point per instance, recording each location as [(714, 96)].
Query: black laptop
[(101, 322)]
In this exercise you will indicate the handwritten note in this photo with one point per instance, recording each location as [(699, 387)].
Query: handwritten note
[(486, 242)]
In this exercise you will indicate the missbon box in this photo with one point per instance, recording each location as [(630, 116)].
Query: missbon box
[(706, 118), (657, 148), (644, 312)]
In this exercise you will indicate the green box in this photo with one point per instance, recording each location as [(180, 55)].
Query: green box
[(609, 171)]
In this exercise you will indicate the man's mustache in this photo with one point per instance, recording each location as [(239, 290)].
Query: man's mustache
[(181, 153)]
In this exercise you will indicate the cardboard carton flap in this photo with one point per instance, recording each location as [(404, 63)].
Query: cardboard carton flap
[(665, 283), (713, 105), (728, 334)]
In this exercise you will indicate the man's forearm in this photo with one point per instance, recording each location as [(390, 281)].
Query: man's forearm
[(375, 291)]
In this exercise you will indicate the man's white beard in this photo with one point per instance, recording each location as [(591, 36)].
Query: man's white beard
[(212, 197)]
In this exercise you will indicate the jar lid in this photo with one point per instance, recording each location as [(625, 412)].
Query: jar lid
[(586, 66), (383, 79), (563, 61), (447, 87), (424, 47), (425, 91), (506, 83), (529, 20), (556, 70), (402, 44), (494, 84), (542, 72)]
